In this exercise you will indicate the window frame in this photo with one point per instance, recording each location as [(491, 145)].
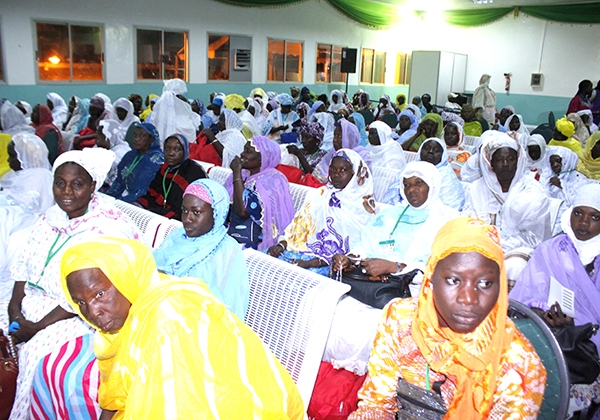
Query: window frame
[(373, 66), (208, 79), (285, 42), (162, 30), (330, 72), (406, 70), (2, 58), (69, 23)]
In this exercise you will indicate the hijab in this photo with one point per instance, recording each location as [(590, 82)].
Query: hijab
[(587, 165), (12, 120), (389, 154), (401, 106), (59, 109), (588, 196), (45, 123), (536, 140), (335, 106), (130, 118), (231, 138)]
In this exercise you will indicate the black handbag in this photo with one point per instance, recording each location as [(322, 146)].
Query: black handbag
[(377, 291), (418, 403), (580, 352)]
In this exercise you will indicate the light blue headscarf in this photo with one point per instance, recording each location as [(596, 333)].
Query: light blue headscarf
[(83, 106), (215, 257), (359, 122)]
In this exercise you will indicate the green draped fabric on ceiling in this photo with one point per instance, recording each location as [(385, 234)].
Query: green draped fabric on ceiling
[(380, 14)]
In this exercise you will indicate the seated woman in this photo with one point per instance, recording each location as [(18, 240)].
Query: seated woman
[(329, 222), (407, 126), (345, 136), (398, 239), (454, 137), (430, 126), (40, 317), (559, 177), (536, 154), (87, 135), (383, 108), (124, 113), (202, 248), (401, 101), (110, 136), (229, 141), (571, 259), (139, 166), (589, 158), (451, 191), (505, 197), (318, 113), (563, 135), (260, 195), (41, 120), (200, 365), (359, 121), (455, 337), (385, 152), (472, 126), (311, 153), (515, 124), (12, 120), (165, 193)]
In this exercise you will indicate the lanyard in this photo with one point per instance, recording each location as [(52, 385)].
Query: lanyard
[(52, 253), (427, 383), (165, 189), (398, 221), (135, 162)]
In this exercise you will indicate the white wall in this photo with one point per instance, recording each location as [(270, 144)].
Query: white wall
[(564, 53)]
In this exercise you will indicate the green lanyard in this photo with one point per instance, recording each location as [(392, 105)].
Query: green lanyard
[(427, 384), (51, 254), (165, 189), (398, 221), (135, 162)]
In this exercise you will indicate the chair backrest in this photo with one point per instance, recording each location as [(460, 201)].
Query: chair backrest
[(205, 165), (382, 179), (556, 395), (51, 141), (291, 310), (154, 227), (129, 134), (219, 174), (299, 195), (471, 140), (410, 156)]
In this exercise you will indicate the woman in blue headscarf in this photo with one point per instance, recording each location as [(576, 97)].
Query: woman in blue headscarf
[(165, 193), (359, 121), (202, 248), (138, 167)]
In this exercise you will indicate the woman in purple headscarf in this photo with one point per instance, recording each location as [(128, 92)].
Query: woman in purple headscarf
[(262, 203), (346, 136), (87, 136)]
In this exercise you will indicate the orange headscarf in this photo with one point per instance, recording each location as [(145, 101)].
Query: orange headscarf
[(470, 360)]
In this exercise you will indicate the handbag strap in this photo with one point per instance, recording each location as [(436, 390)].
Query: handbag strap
[(7, 346)]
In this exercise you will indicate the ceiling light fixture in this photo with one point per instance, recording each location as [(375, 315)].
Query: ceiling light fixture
[(483, 1)]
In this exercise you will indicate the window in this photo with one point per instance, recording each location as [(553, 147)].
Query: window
[(218, 57), (402, 69), (162, 55), (329, 64), (372, 66), (68, 52), (1, 63), (284, 61)]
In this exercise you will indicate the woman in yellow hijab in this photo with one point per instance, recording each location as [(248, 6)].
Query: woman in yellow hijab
[(166, 347), (4, 140), (456, 338), (563, 135), (149, 104), (589, 158)]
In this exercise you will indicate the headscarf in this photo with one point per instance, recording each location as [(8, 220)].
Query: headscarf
[(415, 110), (364, 101), (231, 138), (151, 100), (305, 107), (274, 104), (4, 142), (214, 257), (45, 124), (451, 191), (130, 118), (571, 181), (59, 109), (258, 91), (581, 132), (234, 101), (28, 108), (588, 196), (473, 359), (499, 141), (425, 171), (523, 131), (590, 124), (414, 124), (200, 105), (432, 116), (107, 102), (31, 151), (448, 117), (83, 108), (359, 122), (314, 107), (536, 140), (329, 222), (565, 127), (135, 96), (587, 165), (461, 135), (335, 106), (388, 107), (285, 99), (12, 120), (483, 96), (389, 154), (185, 145), (115, 135), (272, 188), (172, 115), (401, 106), (96, 162), (313, 129)]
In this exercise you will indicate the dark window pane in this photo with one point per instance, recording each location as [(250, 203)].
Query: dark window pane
[(53, 51), (323, 62), (149, 54), (366, 68), (379, 67), (218, 57), (175, 55), (336, 66), (86, 50)]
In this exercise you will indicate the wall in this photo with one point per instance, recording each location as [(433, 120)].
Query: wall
[(564, 53)]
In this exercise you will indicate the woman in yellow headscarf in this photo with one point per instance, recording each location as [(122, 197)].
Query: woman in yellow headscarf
[(166, 347), (563, 135), (149, 104), (455, 337), (4, 140), (589, 158)]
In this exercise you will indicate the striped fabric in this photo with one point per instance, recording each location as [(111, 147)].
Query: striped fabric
[(66, 381)]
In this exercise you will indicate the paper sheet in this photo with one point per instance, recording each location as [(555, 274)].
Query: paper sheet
[(565, 297)]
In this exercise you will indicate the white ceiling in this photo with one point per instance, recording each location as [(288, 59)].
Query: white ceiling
[(468, 4)]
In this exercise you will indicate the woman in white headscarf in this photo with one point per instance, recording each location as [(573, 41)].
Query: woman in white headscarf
[(13, 121), (111, 136), (415, 110), (536, 153), (59, 109), (506, 197), (39, 316), (485, 98), (581, 133), (229, 141), (255, 108), (172, 114), (123, 113), (384, 107), (108, 106), (559, 176), (336, 99), (515, 123), (384, 150)]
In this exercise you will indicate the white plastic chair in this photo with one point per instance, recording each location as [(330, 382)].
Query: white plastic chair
[(299, 193), (410, 156), (219, 174), (471, 140), (291, 310), (382, 179), (205, 165)]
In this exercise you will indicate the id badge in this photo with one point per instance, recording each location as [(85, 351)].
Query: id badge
[(387, 246)]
